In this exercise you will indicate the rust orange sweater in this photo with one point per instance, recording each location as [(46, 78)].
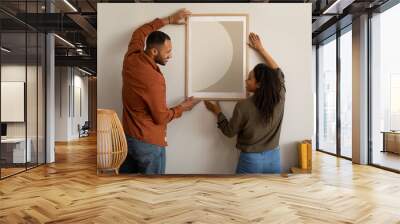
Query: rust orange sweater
[(145, 112)]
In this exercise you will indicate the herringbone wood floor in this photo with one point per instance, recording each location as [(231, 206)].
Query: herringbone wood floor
[(70, 192)]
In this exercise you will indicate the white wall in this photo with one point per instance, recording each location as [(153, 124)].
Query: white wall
[(195, 144), (61, 104), (17, 73), (80, 83), (66, 81), (14, 73)]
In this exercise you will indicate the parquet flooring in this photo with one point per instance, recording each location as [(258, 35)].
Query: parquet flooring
[(69, 191)]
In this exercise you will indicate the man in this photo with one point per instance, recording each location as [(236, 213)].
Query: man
[(145, 113)]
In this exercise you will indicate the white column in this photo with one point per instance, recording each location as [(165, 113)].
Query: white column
[(50, 94)]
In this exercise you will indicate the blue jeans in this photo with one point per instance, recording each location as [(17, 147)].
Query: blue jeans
[(143, 158), (259, 162)]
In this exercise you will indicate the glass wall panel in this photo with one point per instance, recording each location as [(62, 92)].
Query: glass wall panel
[(385, 89), (346, 94), (327, 96)]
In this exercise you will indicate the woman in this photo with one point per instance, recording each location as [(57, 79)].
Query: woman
[(257, 120)]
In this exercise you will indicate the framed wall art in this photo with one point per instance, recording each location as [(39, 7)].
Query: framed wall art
[(216, 56)]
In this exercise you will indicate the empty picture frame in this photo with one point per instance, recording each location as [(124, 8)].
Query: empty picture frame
[(216, 56)]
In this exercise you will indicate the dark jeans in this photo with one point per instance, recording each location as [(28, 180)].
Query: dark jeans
[(143, 158), (259, 162)]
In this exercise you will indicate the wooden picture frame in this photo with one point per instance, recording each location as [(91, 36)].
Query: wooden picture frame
[(240, 91)]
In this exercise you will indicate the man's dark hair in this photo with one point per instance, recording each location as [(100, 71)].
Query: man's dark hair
[(156, 38)]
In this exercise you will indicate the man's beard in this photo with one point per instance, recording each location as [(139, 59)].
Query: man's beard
[(160, 61)]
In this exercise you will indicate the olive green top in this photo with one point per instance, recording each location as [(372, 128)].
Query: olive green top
[(254, 134)]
